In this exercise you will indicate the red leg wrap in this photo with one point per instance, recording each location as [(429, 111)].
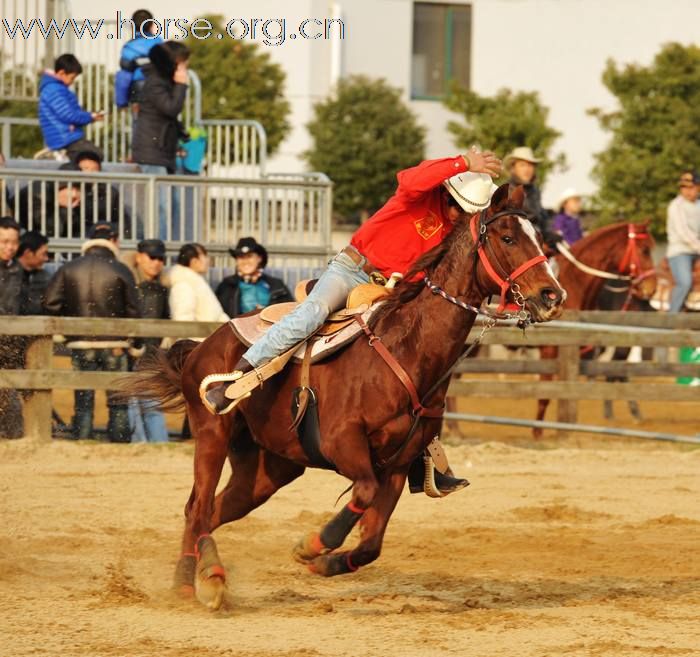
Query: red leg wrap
[(349, 563)]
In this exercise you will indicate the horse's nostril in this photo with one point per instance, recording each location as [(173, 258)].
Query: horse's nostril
[(550, 297)]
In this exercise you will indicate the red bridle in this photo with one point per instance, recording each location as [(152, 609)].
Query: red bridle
[(480, 238), (631, 260)]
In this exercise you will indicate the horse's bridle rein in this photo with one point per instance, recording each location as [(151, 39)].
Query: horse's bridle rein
[(630, 267)]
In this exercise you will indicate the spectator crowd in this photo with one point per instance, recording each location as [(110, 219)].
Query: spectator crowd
[(105, 282)]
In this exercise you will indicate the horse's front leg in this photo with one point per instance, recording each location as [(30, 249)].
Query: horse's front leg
[(373, 523)]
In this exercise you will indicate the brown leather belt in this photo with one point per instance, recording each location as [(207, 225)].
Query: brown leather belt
[(357, 258)]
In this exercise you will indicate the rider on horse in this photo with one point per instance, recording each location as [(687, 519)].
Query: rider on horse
[(430, 197)]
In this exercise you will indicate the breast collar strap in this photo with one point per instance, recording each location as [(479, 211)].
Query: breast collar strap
[(480, 238)]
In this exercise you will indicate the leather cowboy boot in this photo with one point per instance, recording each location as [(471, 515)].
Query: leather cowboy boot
[(215, 399), (424, 477)]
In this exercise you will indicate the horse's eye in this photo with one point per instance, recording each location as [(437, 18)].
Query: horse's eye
[(507, 239)]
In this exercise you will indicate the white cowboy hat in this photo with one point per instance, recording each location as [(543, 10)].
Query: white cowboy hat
[(472, 191), (569, 192), (521, 153)]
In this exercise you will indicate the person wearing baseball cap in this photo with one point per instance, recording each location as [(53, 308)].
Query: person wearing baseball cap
[(146, 421), (250, 287), (683, 231)]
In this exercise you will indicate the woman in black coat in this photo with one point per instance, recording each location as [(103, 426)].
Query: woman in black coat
[(158, 129)]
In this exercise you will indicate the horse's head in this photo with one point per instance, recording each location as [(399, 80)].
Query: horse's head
[(511, 262)]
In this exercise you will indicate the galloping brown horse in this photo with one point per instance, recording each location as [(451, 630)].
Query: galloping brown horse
[(620, 249), (364, 409)]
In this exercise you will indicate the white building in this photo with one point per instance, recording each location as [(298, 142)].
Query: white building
[(556, 47)]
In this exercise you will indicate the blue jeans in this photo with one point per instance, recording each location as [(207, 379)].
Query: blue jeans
[(682, 270), (100, 360), (329, 294), (147, 422), (165, 219)]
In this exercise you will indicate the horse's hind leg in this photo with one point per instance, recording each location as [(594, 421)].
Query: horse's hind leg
[(256, 475), (373, 524), (212, 435)]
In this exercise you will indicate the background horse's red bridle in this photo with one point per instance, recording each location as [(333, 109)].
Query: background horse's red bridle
[(630, 259)]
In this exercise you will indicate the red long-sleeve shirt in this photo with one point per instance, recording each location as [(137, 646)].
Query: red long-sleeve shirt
[(411, 222)]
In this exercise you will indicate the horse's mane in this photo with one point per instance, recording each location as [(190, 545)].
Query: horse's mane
[(408, 289)]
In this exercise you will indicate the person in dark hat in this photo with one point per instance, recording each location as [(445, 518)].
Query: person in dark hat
[(250, 288)]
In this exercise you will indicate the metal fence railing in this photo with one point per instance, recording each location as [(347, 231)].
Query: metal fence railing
[(290, 215), (235, 147)]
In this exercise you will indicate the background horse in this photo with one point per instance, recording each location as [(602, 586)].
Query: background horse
[(621, 249), (363, 407)]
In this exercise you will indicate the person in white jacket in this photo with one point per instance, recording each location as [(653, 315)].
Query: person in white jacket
[(683, 231), (191, 297)]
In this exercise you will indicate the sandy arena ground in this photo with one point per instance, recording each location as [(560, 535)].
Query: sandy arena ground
[(584, 546)]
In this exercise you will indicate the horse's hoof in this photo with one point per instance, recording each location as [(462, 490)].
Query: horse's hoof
[(329, 565), (308, 548), (537, 432), (211, 586)]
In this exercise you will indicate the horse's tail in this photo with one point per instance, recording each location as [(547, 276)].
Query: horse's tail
[(159, 376)]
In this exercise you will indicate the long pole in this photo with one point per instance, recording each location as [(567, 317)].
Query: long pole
[(567, 426)]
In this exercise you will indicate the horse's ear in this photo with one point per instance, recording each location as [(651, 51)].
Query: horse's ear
[(500, 197), (516, 196)]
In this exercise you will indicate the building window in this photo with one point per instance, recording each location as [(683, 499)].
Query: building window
[(441, 48)]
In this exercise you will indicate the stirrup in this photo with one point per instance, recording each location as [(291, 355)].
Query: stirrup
[(207, 381), (438, 484)]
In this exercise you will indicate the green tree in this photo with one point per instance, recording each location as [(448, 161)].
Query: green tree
[(654, 135), (239, 81), (362, 135), (26, 140), (503, 122)]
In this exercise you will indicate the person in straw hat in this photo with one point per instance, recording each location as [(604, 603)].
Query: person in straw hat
[(567, 222), (521, 163), (429, 199)]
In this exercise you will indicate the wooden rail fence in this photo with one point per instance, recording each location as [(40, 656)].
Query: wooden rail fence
[(603, 329)]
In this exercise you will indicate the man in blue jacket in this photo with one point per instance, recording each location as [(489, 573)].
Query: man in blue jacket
[(60, 115)]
